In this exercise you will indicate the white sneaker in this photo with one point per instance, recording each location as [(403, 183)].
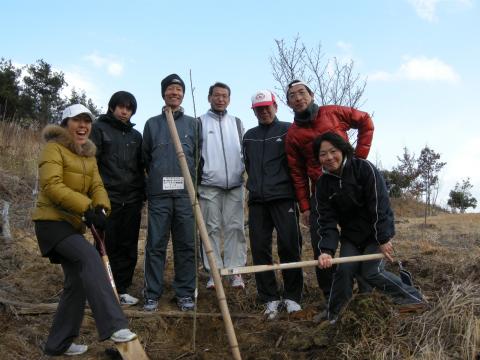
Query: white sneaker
[(292, 306), (237, 281), (210, 283), (76, 349), (126, 299), (123, 335), (272, 309)]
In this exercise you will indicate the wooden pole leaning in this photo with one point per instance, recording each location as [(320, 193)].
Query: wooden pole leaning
[(295, 265), (217, 280)]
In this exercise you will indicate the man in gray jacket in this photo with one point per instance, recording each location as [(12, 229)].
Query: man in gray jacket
[(169, 206), (221, 191)]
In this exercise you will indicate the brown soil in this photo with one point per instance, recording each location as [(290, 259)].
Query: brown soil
[(444, 253)]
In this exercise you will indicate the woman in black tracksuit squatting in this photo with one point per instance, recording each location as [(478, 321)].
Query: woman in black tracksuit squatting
[(352, 194)]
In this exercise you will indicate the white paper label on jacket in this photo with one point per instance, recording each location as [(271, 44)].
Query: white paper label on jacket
[(173, 183)]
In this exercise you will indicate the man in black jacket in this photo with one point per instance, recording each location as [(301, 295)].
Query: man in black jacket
[(272, 205), (119, 158)]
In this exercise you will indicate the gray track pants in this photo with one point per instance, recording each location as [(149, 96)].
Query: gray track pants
[(223, 213), (85, 279)]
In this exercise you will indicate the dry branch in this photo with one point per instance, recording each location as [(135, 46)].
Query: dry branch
[(23, 308)]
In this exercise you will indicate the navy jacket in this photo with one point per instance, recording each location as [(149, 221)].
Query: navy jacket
[(358, 202), (266, 163), (159, 154)]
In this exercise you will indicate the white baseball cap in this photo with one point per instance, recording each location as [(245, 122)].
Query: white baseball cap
[(74, 110), (263, 98)]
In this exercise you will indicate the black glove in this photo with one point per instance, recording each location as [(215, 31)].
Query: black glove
[(100, 218), (95, 217), (89, 217)]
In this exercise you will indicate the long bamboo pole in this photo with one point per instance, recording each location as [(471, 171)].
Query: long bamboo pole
[(217, 280), (298, 264)]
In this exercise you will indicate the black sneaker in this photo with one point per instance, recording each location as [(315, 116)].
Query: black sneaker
[(150, 305), (185, 303)]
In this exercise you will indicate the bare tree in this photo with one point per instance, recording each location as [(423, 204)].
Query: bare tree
[(333, 82), (429, 166)]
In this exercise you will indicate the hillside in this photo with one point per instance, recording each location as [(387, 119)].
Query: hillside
[(442, 256)]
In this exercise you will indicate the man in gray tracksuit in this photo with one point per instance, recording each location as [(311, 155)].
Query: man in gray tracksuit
[(169, 206), (221, 191)]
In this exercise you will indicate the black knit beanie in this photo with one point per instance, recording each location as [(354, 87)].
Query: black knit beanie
[(172, 79)]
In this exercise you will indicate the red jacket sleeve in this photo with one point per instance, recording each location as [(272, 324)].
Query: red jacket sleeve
[(355, 119), (298, 172)]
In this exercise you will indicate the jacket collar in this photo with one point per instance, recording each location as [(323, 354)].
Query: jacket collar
[(268, 125), (307, 116), (345, 163), (217, 114), (176, 114), (60, 135), (114, 122)]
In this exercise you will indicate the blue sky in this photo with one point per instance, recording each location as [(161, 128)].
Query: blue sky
[(420, 58)]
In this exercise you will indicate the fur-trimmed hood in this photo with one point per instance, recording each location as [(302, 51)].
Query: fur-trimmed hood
[(60, 135)]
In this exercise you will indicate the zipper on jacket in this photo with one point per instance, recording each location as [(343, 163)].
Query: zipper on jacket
[(263, 171), (84, 175), (124, 148), (223, 149)]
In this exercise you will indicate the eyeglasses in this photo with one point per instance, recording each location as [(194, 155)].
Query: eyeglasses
[(293, 94)]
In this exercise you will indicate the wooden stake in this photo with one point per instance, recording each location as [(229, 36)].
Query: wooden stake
[(295, 265), (217, 280)]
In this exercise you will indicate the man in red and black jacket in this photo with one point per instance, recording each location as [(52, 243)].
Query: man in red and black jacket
[(310, 121)]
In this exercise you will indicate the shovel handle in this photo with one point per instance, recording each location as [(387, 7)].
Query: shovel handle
[(295, 265), (100, 245)]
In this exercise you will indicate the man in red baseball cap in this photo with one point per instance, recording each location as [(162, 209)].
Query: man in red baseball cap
[(272, 205)]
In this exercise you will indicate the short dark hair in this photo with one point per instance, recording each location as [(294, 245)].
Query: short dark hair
[(336, 140), (122, 98), (220, 85)]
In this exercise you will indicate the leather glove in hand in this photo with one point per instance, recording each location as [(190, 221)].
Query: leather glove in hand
[(89, 217), (95, 217), (100, 218)]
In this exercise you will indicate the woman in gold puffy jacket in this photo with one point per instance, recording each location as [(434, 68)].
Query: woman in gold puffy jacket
[(71, 196)]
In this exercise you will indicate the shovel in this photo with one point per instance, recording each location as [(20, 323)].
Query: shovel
[(131, 350)]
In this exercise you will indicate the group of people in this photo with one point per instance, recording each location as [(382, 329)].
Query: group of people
[(101, 173)]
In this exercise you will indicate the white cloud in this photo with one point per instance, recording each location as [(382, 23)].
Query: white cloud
[(419, 69), (347, 47), (426, 9), (113, 67), (79, 82), (460, 165)]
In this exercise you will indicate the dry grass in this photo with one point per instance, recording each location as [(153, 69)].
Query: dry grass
[(19, 148), (443, 257), (450, 329)]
